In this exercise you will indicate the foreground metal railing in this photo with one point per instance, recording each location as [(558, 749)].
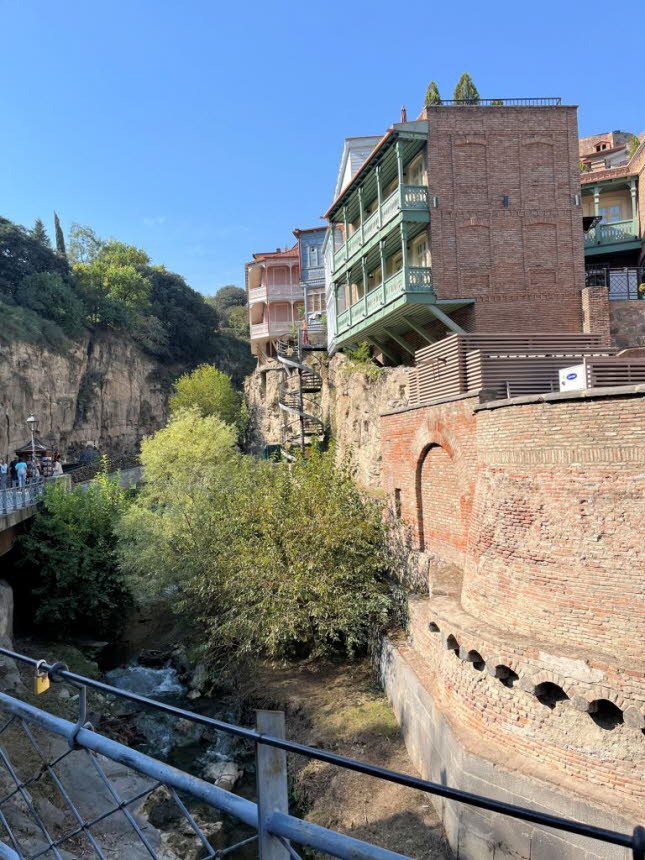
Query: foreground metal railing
[(275, 829), (625, 283)]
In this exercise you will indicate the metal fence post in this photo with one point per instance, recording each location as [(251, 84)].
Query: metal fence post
[(271, 776)]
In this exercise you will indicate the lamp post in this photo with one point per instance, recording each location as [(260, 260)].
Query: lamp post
[(32, 423)]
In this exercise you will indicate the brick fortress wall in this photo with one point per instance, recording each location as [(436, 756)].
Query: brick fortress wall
[(532, 635), (522, 262)]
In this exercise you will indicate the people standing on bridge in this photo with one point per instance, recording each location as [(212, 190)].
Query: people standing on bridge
[(21, 472), (4, 470), (58, 468), (13, 475)]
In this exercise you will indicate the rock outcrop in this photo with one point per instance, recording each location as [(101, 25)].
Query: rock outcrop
[(102, 391), (351, 401)]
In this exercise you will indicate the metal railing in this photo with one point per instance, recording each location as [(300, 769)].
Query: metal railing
[(626, 283), (550, 101), (16, 497), (275, 828), (415, 279), (612, 233)]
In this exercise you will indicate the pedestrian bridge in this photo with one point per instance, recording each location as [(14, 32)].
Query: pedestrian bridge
[(18, 504)]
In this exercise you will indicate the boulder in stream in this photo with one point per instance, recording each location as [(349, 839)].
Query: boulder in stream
[(225, 774)]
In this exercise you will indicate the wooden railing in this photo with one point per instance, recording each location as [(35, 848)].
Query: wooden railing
[(405, 197), (415, 279), (508, 364), (611, 234)]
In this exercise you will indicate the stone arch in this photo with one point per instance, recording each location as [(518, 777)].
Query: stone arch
[(437, 495)]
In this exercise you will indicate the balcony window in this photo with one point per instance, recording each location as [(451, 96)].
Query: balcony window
[(610, 214), (415, 171), (420, 253)]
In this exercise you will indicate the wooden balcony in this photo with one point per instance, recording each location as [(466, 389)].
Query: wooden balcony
[(272, 328), (406, 201), (608, 236), (275, 293)]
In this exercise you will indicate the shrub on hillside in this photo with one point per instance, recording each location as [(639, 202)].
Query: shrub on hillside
[(211, 392)]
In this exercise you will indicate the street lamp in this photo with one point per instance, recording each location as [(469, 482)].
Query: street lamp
[(32, 423)]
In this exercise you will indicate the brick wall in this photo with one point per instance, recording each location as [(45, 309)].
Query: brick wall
[(545, 510), (627, 322), (542, 506), (523, 264), (595, 312)]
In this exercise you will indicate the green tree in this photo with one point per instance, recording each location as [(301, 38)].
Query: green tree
[(270, 560), (238, 321), (40, 234), (47, 294), (211, 392), (21, 255), (227, 297), (432, 94), (632, 145), (84, 245), (60, 238), (466, 91), (71, 547)]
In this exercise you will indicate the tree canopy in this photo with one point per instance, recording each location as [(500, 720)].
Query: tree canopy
[(466, 90), (104, 283), (211, 393), (267, 560), (432, 94)]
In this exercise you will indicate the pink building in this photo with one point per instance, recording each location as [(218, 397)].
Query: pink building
[(275, 298)]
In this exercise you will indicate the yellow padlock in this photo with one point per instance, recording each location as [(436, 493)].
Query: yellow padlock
[(41, 679)]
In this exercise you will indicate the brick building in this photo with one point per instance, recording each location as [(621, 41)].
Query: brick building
[(466, 219)]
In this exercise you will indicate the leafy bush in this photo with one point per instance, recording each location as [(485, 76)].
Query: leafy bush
[(360, 359), (47, 294), (268, 560), (211, 392), (72, 549)]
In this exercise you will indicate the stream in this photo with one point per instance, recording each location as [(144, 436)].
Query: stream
[(182, 744)]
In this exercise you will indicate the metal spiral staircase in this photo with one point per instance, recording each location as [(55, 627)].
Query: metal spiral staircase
[(298, 395)]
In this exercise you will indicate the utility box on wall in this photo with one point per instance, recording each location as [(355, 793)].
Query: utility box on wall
[(573, 378)]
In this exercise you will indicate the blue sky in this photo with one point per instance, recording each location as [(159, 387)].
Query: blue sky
[(204, 131)]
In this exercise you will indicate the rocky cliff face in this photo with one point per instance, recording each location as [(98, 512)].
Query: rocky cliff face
[(351, 402), (103, 391)]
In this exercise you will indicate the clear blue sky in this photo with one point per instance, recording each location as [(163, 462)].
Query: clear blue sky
[(203, 131)]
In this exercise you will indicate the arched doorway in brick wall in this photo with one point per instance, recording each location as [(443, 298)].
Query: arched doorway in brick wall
[(440, 526)]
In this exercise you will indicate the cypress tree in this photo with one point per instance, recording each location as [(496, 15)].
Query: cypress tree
[(466, 91), (39, 233), (60, 238), (432, 94)]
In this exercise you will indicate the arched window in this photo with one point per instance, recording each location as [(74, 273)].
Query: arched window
[(605, 714), (477, 660), (550, 694), (505, 675)]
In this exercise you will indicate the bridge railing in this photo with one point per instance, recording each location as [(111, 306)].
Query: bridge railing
[(268, 820), (14, 497)]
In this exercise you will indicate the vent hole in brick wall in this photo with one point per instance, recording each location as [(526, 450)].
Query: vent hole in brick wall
[(605, 714), (506, 675), (477, 660), (550, 694), (433, 628), (452, 644)]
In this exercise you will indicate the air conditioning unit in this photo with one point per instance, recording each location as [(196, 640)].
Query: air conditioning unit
[(573, 378)]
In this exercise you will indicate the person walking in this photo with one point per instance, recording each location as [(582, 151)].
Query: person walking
[(4, 471), (21, 472), (13, 475)]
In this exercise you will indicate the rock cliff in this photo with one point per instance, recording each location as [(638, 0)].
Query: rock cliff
[(351, 401), (103, 390)]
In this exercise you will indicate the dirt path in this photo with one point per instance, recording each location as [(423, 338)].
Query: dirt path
[(339, 707)]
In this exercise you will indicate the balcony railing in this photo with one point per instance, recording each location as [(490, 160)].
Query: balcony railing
[(613, 233), (273, 328), (404, 198), (275, 292), (415, 279)]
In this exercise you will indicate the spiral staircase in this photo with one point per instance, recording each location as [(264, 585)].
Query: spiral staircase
[(298, 396)]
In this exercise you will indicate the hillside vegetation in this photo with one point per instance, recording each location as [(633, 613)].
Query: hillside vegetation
[(50, 296)]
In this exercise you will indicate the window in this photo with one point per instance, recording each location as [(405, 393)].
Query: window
[(600, 147), (416, 172), (420, 251), (313, 257), (397, 503), (610, 214)]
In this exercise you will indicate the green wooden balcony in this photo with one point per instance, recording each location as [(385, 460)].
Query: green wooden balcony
[(612, 233), (388, 296), (409, 200)]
